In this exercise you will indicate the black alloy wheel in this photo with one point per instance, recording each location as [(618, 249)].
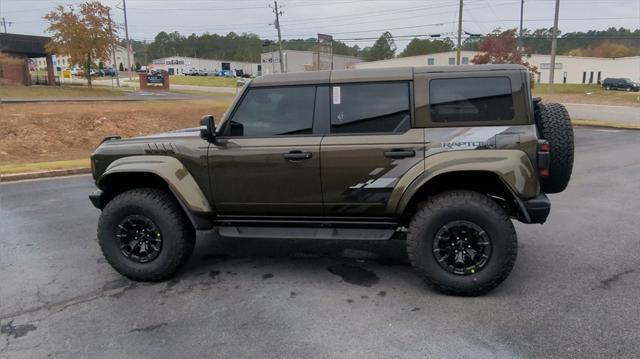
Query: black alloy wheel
[(139, 238), (462, 247)]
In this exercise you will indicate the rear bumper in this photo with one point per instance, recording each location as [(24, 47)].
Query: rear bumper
[(536, 210), (97, 198)]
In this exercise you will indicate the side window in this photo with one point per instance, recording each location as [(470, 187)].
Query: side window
[(276, 111), (476, 99), (370, 108)]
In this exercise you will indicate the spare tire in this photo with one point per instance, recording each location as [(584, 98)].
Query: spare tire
[(554, 125)]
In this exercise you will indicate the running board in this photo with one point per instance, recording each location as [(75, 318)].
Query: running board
[(306, 232)]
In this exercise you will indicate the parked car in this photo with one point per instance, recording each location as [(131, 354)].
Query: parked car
[(624, 84), (108, 71), (191, 72), (444, 158)]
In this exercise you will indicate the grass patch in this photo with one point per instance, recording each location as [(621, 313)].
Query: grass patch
[(568, 88), (209, 81), (584, 93), (57, 92), (43, 166)]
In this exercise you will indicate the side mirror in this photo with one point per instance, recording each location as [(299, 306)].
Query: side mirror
[(208, 128)]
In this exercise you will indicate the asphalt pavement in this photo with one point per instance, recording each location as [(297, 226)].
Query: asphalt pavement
[(574, 291)]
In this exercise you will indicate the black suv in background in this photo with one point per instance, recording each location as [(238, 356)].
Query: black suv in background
[(620, 84)]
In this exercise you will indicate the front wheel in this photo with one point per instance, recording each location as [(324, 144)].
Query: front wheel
[(462, 243), (144, 234)]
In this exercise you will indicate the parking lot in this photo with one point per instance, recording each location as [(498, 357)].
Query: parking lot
[(573, 292)]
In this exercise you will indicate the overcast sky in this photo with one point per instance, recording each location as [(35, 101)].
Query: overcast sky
[(345, 19)]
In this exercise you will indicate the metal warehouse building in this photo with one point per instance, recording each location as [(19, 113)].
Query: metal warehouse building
[(300, 61), (569, 69), (179, 65)]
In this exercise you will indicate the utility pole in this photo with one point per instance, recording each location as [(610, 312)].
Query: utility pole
[(277, 25), (459, 34), (126, 33), (520, 44), (554, 44), (114, 65), (4, 24)]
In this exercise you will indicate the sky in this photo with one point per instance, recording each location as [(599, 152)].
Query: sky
[(352, 21)]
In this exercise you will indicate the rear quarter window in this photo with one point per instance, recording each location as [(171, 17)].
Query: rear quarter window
[(469, 100)]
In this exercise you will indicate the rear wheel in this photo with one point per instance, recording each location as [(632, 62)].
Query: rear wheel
[(144, 234), (462, 243)]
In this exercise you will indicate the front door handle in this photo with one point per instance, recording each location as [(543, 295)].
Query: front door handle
[(399, 153), (297, 155)]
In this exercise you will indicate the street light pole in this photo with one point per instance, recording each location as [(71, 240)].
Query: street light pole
[(521, 20), (113, 53), (459, 34), (126, 32), (554, 44)]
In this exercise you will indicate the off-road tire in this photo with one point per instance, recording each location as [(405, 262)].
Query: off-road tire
[(178, 237), (468, 206), (554, 124)]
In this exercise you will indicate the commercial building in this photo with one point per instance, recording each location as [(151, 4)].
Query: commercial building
[(568, 69), (300, 61), (180, 65), (63, 62)]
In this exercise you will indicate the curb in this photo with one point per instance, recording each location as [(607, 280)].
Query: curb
[(606, 124), (43, 174)]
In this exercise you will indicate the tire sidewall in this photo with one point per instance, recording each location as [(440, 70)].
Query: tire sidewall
[(499, 235), (120, 208)]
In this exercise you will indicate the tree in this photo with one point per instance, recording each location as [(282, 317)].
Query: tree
[(85, 34), (382, 49), (501, 47), (603, 49), (426, 46)]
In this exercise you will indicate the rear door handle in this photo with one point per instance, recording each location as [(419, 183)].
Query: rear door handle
[(399, 153), (297, 155)]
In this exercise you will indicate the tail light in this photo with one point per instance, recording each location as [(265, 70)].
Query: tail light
[(544, 154)]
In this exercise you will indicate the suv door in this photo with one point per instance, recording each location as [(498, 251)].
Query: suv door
[(266, 157), (370, 145)]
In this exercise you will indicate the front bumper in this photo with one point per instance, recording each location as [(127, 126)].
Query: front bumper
[(97, 198), (536, 210)]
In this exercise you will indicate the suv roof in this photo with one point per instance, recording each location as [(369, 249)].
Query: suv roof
[(360, 75)]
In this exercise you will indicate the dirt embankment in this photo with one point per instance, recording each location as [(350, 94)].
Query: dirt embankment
[(65, 131)]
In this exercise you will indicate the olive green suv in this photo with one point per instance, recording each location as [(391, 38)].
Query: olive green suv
[(442, 157)]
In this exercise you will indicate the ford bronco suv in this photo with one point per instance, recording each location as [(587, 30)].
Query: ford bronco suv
[(441, 157)]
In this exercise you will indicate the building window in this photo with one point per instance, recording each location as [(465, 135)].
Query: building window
[(452, 61), (471, 99), (591, 78), (465, 61), (431, 61), (584, 77), (371, 108)]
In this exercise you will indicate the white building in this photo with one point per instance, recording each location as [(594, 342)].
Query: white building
[(299, 61), (63, 61), (569, 69), (179, 65)]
